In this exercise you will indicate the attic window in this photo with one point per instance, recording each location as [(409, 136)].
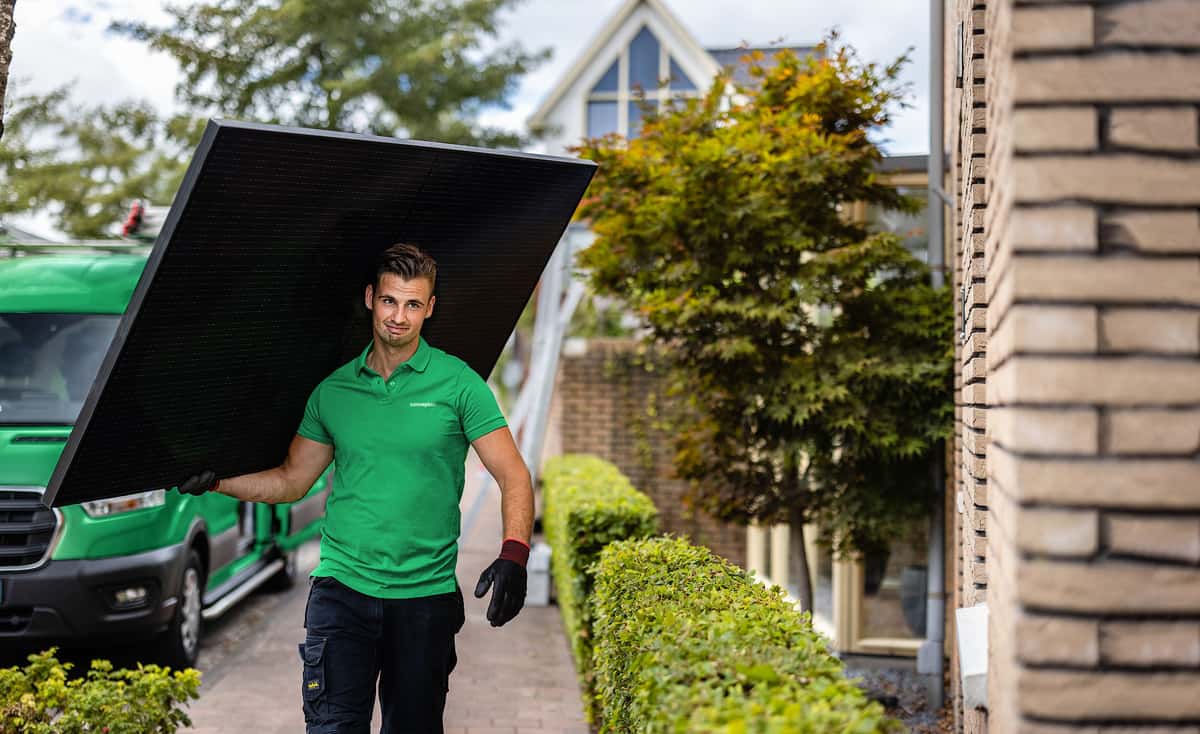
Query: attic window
[(608, 82), (680, 81), (602, 118), (644, 70), (643, 61)]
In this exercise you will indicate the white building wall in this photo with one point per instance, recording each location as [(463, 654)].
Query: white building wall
[(568, 118)]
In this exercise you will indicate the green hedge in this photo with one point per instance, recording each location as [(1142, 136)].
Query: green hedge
[(687, 642), (42, 698), (587, 503)]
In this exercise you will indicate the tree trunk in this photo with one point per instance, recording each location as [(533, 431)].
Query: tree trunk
[(7, 28), (798, 563)]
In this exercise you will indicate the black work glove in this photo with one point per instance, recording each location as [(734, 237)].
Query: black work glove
[(508, 574), (198, 484)]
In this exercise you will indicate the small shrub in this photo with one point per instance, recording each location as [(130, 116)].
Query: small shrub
[(687, 642), (588, 503), (41, 699)]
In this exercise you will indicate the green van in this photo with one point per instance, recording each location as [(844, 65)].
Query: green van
[(146, 567)]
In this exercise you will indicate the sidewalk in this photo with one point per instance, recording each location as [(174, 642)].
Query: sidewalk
[(518, 679)]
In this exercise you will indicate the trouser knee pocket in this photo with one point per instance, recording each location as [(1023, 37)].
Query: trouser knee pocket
[(312, 652)]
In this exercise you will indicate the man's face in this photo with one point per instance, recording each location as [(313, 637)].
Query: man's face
[(399, 308)]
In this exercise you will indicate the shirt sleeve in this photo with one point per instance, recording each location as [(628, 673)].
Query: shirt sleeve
[(311, 426), (477, 408)]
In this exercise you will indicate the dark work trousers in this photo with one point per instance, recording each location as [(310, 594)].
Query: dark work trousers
[(353, 641)]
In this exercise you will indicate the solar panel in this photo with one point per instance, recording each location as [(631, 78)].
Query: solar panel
[(253, 292)]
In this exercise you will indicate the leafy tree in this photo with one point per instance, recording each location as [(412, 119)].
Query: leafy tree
[(811, 359), (7, 29), (86, 164), (390, 67)]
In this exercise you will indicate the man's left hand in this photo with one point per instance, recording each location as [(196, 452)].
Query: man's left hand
[(507, 574)]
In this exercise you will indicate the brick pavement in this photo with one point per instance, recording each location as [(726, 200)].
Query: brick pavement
[(518, 679)]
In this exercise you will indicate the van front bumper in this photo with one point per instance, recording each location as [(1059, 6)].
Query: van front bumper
[(73, 600)]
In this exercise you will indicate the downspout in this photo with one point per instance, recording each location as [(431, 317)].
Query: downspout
[(930, 659)]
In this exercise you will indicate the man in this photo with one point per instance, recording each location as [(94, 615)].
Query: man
[(384, 602)]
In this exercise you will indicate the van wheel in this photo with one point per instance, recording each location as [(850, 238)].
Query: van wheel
[(284, 578), (180, 644)]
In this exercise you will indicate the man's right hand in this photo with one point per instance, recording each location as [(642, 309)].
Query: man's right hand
[(198, 484)]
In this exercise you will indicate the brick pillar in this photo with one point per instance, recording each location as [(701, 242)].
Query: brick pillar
[(967, 127), (602, 400), (1091, 270)]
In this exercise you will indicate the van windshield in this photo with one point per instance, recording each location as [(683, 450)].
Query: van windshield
[(48, 362)]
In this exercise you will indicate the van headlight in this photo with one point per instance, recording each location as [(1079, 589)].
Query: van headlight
[(125, 503)]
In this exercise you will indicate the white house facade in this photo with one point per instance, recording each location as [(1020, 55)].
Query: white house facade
[(641, 47)]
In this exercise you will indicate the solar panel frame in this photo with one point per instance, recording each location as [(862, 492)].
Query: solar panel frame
[(533, 195)]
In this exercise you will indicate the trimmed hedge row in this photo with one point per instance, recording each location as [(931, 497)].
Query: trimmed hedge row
[(587, 504), (43, 698), (687, 642)]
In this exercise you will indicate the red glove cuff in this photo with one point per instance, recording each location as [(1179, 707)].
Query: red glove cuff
[(515, 550)]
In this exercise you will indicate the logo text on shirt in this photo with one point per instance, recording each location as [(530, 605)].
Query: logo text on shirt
[(422, 405)]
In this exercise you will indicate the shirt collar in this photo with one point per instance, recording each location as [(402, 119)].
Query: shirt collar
[(418, 362), (420, 359)]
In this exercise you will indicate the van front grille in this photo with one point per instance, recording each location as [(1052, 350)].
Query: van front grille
[(26, 529)]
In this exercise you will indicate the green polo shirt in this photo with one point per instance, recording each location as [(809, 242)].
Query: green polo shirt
[(400, 446)]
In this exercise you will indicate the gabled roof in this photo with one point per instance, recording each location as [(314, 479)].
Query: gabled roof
[(588, 57)]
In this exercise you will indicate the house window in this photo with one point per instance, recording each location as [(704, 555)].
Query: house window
[(643, 73), (643, 61), (602, 118), (911, 228), (635, 118), (679, 79), (608, 82)]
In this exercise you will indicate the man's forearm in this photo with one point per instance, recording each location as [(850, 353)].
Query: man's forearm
[(271, 486), (516, 507)]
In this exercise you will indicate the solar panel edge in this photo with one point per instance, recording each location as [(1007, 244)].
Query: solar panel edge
[(546, 226), (174, 214)]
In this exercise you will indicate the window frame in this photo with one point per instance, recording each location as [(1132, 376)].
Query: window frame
[(625, 94)]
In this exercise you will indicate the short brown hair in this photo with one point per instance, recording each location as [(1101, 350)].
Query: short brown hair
[(407, 261)]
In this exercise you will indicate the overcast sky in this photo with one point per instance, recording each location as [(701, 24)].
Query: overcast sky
[(58, 41)]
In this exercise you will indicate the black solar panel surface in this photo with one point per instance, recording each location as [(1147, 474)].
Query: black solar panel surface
[(254, 291)]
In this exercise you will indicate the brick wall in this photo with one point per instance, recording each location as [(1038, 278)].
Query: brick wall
[(600, 408), (966, 127), (1077, 174)]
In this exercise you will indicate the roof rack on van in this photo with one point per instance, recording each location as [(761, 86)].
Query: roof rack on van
[(81, 247)]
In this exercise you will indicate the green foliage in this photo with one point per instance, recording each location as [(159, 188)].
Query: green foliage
[(87, 164), (598, 317), (687, 642), (414, 68), (41, 699), (588, 504), (668, 637), (809, 359)]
